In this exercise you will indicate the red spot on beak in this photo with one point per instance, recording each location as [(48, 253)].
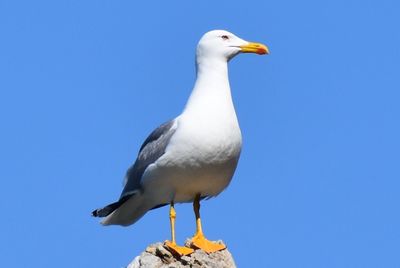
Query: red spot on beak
[(261, 51)]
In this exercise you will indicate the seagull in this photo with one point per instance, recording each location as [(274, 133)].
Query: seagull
[(193, 156)]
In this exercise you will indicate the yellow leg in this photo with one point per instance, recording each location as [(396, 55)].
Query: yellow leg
[(171, 245), (199, 240)]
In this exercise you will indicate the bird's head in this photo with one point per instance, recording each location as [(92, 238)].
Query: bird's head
[(225, 45)]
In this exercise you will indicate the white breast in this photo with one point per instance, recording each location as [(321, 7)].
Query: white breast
[(203, 153)]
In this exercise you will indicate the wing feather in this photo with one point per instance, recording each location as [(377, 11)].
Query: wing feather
[(152, 149)]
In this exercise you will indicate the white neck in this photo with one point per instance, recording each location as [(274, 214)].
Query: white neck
[(211, 94)]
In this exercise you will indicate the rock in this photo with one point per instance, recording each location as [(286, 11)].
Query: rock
[(158, 256)]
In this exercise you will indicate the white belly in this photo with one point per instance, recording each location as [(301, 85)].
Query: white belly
[(200, 159)]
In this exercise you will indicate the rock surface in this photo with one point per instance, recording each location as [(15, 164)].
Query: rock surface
[(158, 256)]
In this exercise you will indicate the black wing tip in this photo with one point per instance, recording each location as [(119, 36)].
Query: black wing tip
[(95, 213), (107, 210), (102, 212)]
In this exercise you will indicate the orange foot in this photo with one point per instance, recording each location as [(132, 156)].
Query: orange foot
[(199, 241), (178, 250)]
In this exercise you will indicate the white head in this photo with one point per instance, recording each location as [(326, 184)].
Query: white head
[(223, 45)]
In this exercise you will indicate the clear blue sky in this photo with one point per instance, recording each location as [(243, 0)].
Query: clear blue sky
[(82, 83)]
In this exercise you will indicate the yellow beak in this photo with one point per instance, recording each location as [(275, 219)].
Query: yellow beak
[(258, 48)]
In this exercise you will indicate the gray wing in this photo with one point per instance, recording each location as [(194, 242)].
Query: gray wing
[(152, 149)]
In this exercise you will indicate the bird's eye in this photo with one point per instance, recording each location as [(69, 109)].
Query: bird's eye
[(224, 37)]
